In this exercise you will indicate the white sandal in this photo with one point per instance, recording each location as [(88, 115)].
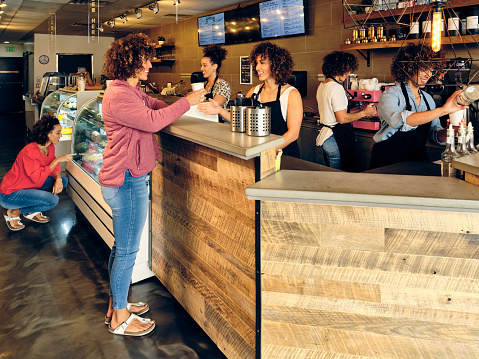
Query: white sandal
[(121, 330), (139, 304), (31, 217), (8, 219)]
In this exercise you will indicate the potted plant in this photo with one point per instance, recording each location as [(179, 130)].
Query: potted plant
[(368, 6), (161, 40)]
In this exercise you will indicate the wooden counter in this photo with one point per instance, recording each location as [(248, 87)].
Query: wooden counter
[(204, 228), (368, 266)]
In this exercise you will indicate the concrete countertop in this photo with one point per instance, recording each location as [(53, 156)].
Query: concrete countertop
[(368, 189), (218, 136), (468, 164)]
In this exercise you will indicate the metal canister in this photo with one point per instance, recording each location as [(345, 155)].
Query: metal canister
[(362, 33), (237, 122), (258, 121)]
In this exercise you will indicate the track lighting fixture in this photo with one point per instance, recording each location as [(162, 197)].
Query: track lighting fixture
[(138, 13), (123, 18), (176, 2), (154, 7), (111, 23)]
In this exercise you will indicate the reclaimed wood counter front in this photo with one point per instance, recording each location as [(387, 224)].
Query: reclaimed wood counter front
[(368, 266), (203, 226)]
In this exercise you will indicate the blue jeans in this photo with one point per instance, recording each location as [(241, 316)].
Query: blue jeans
[(331, 151), (129, 205), (33, 200)]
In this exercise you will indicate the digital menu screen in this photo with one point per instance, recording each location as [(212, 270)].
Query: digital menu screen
[(281, 18), (211, 29)]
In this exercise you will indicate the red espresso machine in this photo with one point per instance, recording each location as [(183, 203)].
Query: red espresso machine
[(358, 100)]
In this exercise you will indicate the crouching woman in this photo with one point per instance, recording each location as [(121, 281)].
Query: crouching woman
[(33, 183)]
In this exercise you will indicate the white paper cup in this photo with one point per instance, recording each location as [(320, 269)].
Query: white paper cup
[(108, 82), (197, 86), (81, 85), (456, 117)]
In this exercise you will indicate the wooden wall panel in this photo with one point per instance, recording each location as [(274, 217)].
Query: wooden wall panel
[(364, 282), (203, 238)]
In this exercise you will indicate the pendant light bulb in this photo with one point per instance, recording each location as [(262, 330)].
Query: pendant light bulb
[(3, 4), (436, 26)]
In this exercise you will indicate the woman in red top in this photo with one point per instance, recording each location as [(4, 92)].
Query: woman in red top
[(32, 184)]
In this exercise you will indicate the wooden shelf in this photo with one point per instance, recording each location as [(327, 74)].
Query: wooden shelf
[(166, 62), (392, 44), (409, 10)]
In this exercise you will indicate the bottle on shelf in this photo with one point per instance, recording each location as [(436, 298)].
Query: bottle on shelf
[(468, 95), (470, 139), (462, 143), (454, 25), (448, 155), (472, 21)]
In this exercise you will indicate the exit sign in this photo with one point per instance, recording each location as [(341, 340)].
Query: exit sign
[(9, 49)]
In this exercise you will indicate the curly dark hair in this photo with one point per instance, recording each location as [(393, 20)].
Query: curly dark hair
[(412, 58), (281, 60), (216, 54), (42, 128), (338, 63), (124, 58)]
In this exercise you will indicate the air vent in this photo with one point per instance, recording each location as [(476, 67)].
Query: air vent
[(102, 3)]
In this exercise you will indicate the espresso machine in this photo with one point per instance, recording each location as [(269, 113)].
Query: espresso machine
[(358, 100)]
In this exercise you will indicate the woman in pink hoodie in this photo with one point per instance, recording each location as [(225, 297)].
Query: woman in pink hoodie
[(131, 118)]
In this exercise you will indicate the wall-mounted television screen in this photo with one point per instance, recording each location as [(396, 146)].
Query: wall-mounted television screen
[(211, 29), (282, 18), (242, 25)]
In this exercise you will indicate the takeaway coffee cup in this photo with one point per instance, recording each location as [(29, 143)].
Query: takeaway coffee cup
[(197, 86), (456, 117)]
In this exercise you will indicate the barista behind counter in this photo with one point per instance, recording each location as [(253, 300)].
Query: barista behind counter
[(408, 115)]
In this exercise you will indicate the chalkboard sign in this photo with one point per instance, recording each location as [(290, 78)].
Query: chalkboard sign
[(246, 71)]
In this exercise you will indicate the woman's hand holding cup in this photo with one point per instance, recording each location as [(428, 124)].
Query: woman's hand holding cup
[(196, 97)]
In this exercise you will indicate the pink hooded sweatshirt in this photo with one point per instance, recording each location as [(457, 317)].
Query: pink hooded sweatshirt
[(131, 119)]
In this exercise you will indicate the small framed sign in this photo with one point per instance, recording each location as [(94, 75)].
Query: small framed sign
[(246, 71)]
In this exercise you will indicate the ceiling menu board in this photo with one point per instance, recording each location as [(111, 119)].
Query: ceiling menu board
[(211, 29), (281, 18)]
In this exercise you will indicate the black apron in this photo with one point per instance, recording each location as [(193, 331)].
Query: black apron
[(402, 146), (279, 125), (209, 96), (344, 135)]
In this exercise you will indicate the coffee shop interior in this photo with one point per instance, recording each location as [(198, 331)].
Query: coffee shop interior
[(245, 254)]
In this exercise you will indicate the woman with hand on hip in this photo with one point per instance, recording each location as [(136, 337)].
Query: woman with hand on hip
[(33, 183), (131, 118), (273, 66)]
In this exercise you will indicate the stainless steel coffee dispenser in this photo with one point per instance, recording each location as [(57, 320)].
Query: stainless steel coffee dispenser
[(258, 120)]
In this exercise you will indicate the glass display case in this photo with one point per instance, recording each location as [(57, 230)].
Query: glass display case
[(87, 144), (89, 138)]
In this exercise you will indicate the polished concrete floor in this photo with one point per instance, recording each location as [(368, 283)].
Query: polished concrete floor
[(54, 289)]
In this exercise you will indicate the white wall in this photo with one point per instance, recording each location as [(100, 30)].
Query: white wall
[(67, 45)]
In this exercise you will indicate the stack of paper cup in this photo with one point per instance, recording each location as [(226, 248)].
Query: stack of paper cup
[(456, 117), (81, 85)]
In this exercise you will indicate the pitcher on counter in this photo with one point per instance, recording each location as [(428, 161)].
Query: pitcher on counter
[(408, 114), (273, 66), (131, 118), (337, 135)]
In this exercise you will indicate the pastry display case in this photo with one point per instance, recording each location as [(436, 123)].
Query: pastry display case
[(88, 143)]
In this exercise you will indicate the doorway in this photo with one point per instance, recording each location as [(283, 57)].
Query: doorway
[(11, 84)]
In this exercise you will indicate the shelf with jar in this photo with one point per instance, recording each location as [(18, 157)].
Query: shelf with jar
[(407, 9), (162, 59)]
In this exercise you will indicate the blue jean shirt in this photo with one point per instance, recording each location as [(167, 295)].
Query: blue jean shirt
[(393, 114)]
